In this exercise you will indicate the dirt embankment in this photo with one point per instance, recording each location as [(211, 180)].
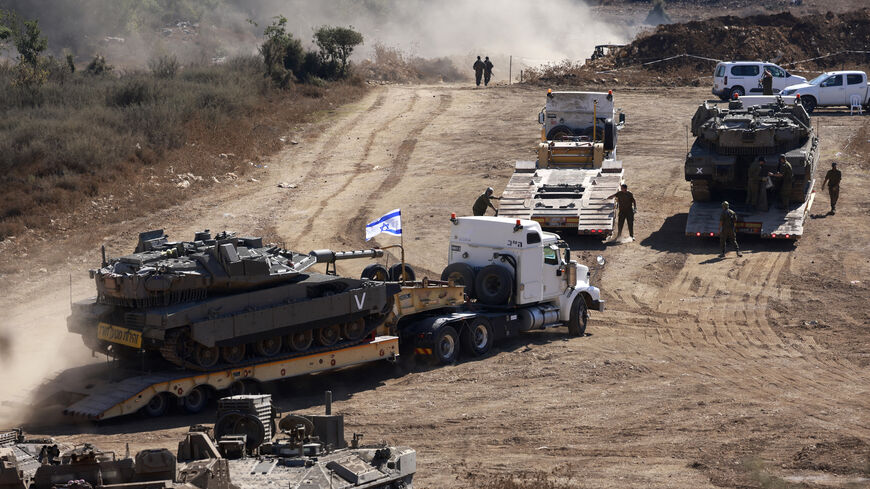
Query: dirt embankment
[(782, 38)]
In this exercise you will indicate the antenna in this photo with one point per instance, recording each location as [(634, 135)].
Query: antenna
[(687, 139)]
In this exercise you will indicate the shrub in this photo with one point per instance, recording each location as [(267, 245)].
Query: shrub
[(98, 66), (164, 67), (135, 91), (336, 44)]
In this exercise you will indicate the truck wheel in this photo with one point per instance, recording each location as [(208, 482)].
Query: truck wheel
[(396, 273), (157, 406), (736, 91), (299, 341), (559, 132), (268, 347), (578, 318), (460, 274), (446, 346), (809, 103), (375, 271), (494, 285), (477, 338), (196, 400)]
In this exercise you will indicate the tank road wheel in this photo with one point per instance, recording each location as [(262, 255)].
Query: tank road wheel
[(354, 330), (494, 285), (375, 272), (460, 274), (559, 132), (157, 406), (196, 400), (578, 318), (477, 339), (396, 273), (233, 353), (300, 340), (328, 335), (268, 347), (446, 346), (206, 357)]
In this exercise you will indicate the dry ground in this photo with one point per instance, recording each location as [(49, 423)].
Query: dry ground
[(702, 372)]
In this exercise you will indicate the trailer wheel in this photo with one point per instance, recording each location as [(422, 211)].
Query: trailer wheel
[(494, 285), (196, 400), (268, 347), (559, 132), (157, 406), (579, 317), (328, 335), (477, 337), (300, 340), (396, 273), (460, 274), (446, 346), (233, 353), (375, 271)]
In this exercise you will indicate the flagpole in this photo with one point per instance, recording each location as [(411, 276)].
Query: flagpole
[(402, 247)]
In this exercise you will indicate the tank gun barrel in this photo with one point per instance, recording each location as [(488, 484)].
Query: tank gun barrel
[(329, 256)]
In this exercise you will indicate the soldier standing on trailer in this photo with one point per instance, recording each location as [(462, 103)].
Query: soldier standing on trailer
[(767, 82), (832, 178), (728, 229), (753, 182)]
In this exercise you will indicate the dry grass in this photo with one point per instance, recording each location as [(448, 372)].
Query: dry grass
[(85, 148), (391, 65)]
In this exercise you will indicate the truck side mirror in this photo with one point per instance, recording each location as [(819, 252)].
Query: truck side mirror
[(621, 118), (541, 117)]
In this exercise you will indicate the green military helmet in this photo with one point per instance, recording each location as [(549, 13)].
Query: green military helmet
[(725, 204)]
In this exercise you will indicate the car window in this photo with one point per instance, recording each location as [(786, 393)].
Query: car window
[(745, 70), (551, 256), (720, 71), (776, 71), (854, 79), (833, 81), (533, 238)]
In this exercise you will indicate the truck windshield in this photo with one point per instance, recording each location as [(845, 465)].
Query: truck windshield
[(818, 79)]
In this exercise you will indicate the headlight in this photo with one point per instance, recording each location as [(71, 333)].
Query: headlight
[(788, 92)]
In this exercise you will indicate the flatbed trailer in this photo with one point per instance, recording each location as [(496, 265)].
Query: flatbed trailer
[(564, 198), (775, 223)]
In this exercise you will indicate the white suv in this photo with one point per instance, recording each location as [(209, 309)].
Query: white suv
[(744, 77)]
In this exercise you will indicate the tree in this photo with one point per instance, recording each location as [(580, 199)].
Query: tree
[(282, 53), (29, 43), (336, 44)]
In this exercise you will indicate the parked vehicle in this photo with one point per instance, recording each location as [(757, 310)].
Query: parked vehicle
[(744, 77), (831, 89)]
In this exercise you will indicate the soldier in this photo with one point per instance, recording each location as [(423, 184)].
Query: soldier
[(483, 202), (767, 82), (627, 207), (787, 175), (728, 229), (753, 181), (832, 178), (487, 71), (478, 70)]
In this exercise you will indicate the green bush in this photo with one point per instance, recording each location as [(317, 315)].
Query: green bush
[(164, 67)]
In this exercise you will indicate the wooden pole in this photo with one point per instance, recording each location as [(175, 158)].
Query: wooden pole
[(510, 69)]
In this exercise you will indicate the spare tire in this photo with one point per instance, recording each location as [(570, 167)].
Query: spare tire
[(609, 135), (559, 132), (375, 271), (494, 285), (460, 274), (396, 273)]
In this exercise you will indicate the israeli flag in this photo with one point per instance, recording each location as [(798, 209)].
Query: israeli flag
[(390, 223)]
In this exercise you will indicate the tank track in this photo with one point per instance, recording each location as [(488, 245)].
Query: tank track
[(169, 351)]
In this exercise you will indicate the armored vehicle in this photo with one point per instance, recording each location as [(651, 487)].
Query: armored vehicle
[(727, 141), (225, 300)]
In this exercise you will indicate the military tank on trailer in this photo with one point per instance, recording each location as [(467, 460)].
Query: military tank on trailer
[(727, 141), (225, 300)]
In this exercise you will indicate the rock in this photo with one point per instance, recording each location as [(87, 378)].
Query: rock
[(294, 142), (252, 179), (286, 185), (215, 180), (183, 184)]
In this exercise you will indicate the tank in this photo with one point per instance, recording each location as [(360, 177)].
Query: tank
[(225, 300), (728, 139)]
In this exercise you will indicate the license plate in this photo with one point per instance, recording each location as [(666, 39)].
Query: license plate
[(556, 221), (749, 227), (122, 336)]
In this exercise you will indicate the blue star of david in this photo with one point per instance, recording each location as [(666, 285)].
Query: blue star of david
[(385, 227)]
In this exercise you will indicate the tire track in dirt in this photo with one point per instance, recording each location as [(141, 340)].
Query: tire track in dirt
[(358, 167)]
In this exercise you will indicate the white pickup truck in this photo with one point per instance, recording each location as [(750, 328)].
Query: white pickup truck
[(834, 88)]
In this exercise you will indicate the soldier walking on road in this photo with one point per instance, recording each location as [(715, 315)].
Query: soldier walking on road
[(832, 178), (478, 70), (483, 202), (487, 71), (627, 207), (728, 229)]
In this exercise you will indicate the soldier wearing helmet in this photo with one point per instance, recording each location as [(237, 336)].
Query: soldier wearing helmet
[(728, 229), (484, 201)]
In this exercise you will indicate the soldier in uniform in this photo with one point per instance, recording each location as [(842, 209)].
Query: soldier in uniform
[(787, 176), (487, 71), (728, 229), (767, 82), (483, 202), (832, 178), (627, 207), (478, 70), (753, 182)]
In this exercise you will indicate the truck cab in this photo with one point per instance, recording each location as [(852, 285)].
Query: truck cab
[(584, 116), (833, 88)]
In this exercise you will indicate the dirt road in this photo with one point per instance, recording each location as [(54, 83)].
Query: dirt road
[(702, 372)]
